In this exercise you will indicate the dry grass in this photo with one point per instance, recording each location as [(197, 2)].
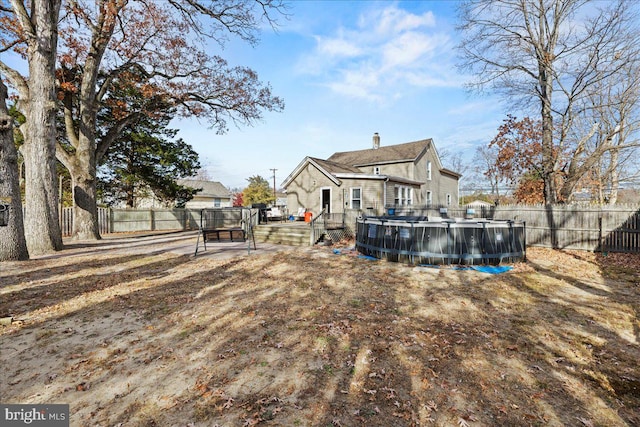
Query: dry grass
[(316, 339)]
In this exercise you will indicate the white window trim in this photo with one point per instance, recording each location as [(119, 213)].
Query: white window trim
[(330, 198), (351, 198), (429, 200), (429, 170), (403, 195)]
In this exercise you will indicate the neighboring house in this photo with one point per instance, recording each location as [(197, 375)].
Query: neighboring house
[(212, 195), (281, 200), (373, 179), (479, 204)]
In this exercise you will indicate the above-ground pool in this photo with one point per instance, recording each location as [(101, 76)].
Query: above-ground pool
[(422, 240)]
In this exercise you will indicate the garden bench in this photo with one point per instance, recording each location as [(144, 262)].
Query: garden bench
[(223, 225), (218, 234)]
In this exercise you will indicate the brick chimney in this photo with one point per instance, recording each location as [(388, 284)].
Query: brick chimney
[(376, 141)]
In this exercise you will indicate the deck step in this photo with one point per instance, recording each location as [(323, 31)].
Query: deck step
[(283, 234)]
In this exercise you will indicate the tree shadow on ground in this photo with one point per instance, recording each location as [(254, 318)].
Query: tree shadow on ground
[(35, 290), (293, 339)]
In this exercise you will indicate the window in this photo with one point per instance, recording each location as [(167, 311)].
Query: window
[(216, 203), (356, 198), (403, 195), (448, 199), (429, 198), (428, 171), (376, 170)]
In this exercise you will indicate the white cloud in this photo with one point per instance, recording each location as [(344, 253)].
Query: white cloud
[(410, 49), (393, 20), (337, 47), (386, 53)]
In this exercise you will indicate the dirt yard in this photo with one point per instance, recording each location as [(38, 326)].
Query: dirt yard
[(142, 336)]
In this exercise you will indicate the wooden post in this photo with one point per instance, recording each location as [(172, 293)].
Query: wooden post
[(600, 234)]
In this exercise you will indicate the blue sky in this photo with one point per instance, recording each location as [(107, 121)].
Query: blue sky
[(347, 69)]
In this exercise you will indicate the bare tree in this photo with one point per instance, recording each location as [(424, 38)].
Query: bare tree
[(452, 160), (616, 110), (105, 39), (485, 161), (13, 245), (156, 45), (34, 24), (551, 53)]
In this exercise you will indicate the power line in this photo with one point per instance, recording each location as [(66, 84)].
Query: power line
[(274, 185)]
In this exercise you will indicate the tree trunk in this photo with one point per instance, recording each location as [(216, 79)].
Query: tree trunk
[(614, 179), (83, 180), (130, 191), (41, 222), (13, 245), (85, 209), (548, 148)]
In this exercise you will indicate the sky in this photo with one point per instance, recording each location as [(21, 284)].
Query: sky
[(345, 70)]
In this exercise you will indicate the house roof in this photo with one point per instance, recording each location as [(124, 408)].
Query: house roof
[(209, 188), (450, 172), (334, 167), (477, 203), (347, 164), (336, 171), (320, 164), (409, 151)]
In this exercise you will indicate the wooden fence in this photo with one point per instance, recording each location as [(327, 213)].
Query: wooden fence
[(138, 220), (584, 227), (133, 220), (66, 221)]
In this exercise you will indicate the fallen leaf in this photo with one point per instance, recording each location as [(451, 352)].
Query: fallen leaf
[(82, 387), (585, 422)]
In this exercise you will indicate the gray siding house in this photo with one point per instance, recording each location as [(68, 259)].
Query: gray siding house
[(372, 180), (212, 195)]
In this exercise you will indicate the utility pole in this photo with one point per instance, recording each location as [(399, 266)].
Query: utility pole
[(274, 185)]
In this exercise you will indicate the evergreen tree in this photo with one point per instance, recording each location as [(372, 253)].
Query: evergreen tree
[(145, 159)]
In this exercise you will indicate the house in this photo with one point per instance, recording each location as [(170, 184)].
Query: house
[(212, 195), (479, 204), (373, 179), (281, 200)]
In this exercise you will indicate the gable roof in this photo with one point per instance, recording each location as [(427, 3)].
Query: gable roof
[(336, 171), (323, 166), (409, 151), (209, 188), (334, 167), (449, 172), (347, 164)]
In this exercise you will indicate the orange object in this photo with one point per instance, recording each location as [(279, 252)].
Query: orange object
[(307, 216)]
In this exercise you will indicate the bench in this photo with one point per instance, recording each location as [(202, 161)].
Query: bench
[(234, 234), (218, 234), (225, 225)]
